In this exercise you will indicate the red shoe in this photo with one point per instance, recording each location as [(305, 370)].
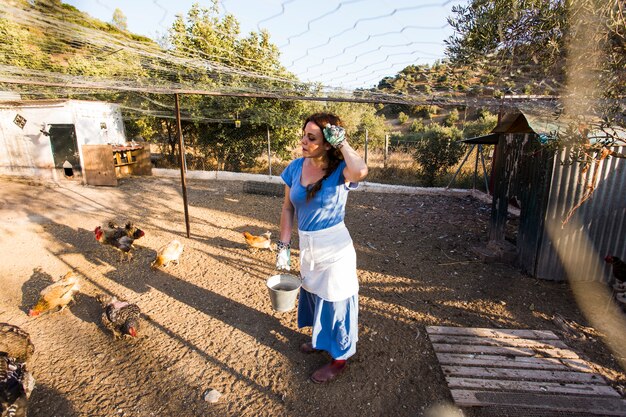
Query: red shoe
[(329, 371), (308, 348)]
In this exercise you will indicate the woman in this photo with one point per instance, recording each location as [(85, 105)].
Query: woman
[(316, 191)]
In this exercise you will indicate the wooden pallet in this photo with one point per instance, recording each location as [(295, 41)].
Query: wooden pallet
[(520, 368)]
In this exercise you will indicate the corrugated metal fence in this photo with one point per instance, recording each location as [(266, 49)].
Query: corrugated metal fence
[(600, 220)]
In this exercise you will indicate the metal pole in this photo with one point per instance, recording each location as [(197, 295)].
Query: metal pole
[(269, 150), (476, 167), (366, 140), (386, 152), (461, 166), (181, 149)]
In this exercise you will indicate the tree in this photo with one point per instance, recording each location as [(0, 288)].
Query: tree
[(534, 42), (235, 64), (437, 149), (119, 20), (483, 125)]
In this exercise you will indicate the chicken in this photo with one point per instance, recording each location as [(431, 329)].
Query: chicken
[(168, 253), (258, 242), (15, 342), (58, 294), (121, 238), (16, 383), (619, 272), (120, 317)]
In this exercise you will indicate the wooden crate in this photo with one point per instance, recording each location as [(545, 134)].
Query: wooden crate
[(98, 165), (528, 369)]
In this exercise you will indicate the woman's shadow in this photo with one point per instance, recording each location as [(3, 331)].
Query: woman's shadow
[(47, 401)]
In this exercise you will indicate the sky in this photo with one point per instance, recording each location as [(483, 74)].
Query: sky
[(345, 44)]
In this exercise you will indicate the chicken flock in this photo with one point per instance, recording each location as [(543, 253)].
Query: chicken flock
[(120, 317)]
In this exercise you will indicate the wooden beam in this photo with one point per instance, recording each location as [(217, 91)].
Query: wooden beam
[(492, 341), (478, 331), (524, 374), (533, 386), (524, 362), (589, 405)]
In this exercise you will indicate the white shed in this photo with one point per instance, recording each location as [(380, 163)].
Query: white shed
[(37, 137)]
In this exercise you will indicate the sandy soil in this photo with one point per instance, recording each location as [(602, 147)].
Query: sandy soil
[(208, 322)]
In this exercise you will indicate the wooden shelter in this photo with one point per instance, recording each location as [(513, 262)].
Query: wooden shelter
[(533, 177)]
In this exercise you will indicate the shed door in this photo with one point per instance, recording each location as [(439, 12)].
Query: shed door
[(64, 145)]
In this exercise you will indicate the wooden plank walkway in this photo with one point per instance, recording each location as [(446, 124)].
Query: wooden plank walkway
[(520, 369)]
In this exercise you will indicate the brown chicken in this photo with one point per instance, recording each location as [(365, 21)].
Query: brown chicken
[(258, 242), (58, 294), (120, 317), (121, 238), (16, 383), (168, 253)]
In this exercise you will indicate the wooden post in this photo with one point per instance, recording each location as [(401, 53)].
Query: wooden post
[(366, 141), (181, 151), (269, 151), (386, 151), (500, 205)]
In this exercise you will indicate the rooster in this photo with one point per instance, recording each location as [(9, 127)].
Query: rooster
[(258, 242), (168, 253), (619, 272), (16, 383), (120, 317), (121, 238), (58, 294)]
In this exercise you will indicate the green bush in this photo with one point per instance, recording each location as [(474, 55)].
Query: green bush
[(483, 125), (403, 117), (437, 149), (421, 111), (417, 126), (451, 118)]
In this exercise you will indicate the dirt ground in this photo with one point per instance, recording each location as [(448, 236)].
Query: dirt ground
[(208, 322)]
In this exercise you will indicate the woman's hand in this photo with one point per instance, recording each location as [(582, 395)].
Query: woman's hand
[(283, 259), (334, 135)]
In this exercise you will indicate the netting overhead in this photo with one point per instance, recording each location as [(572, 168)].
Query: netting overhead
[(87, 55), (50, 48)]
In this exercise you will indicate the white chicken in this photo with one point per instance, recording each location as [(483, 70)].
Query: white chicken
[(168, 253)]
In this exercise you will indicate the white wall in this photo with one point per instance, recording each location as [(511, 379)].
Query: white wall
[(28, 152), (89, 115)]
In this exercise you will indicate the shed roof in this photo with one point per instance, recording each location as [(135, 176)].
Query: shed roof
[(47, 103), (543, 120), (490, 139)]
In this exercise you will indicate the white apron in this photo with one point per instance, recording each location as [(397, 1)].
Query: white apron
[(328, 263)]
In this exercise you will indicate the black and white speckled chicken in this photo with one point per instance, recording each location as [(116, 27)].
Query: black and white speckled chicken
[(16, 383), (15, 342), (120, 317)]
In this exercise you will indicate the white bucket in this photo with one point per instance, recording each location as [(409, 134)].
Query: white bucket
[(283, 289)]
